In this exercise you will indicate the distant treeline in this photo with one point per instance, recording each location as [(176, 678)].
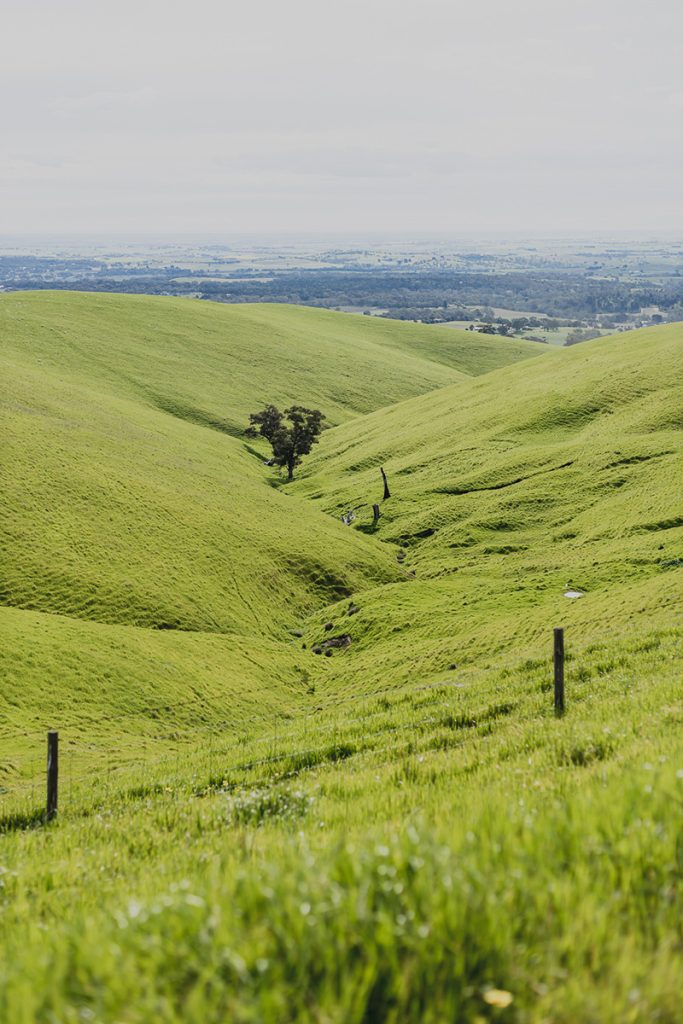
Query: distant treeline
[(560, 295), (405, 293)]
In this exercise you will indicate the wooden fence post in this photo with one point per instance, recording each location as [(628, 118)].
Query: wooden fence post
[(387, 492), (558, 658), (375, 514), (52, 774)]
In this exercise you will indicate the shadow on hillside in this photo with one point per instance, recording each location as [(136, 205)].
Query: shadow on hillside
[(199, 417)]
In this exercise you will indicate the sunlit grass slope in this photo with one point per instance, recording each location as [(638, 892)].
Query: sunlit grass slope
[(128, 511), (402, 832), (564, 473), (125, 499), (120, 513), (119, 693), (215, 363)]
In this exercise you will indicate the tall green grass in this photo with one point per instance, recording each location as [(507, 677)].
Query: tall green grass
[(422, 856)]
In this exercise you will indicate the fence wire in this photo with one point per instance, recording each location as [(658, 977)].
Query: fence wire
[(22, 778)]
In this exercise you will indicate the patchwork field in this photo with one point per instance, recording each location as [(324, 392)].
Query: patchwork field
[(309, 771)]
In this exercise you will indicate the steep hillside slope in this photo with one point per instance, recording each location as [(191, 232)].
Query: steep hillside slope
[(507, 492), (116, 512), (121, 507), (167, 543), (125, 511), (213, 364)]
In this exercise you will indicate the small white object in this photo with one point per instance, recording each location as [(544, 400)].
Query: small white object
[(573, 593)]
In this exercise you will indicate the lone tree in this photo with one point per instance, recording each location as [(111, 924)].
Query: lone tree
[(289, 440)]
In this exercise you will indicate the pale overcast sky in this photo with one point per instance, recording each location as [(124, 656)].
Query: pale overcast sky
[(357, 115)]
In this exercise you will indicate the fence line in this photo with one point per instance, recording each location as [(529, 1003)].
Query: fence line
[(259, 740), (137, 713), (243, 766), (147, 764), (397, 691), (326, 723), (472, 670), (213, 728)]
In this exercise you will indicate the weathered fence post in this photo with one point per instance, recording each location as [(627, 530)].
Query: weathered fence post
[(387, 492), (375, 514), (52, 774), (558, 658)]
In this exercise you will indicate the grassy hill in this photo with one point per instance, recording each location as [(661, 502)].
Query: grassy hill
[(562, 474), (131, 499), (399, 831), (213, 364)]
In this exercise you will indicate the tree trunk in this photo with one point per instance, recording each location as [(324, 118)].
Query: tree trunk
[(290, 470)]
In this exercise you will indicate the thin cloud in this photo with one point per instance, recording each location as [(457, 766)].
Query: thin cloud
[(362, 116)]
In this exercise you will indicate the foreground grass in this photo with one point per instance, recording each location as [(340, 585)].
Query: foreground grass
[(346, 866), (570, 909)]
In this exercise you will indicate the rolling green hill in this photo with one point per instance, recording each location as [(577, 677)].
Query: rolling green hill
[(562, 474), (213, 364), (311, 772), (131, 499)]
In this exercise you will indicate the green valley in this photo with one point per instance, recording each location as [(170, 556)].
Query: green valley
[(311, 771)]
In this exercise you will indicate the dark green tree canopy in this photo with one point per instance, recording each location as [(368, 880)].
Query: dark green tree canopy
[(291, 433)]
